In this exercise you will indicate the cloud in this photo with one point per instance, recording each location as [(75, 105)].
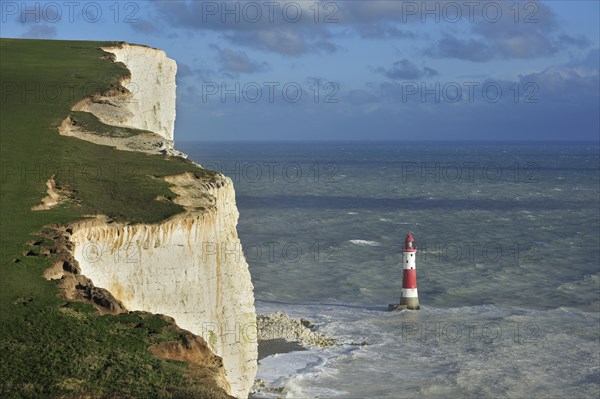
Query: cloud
[(236, 62), (325, 46), (580, 41), (278, 41), (350, 12), (286, 27), (573, 82), (199, 70), (565, 106), (145, 27), (405, 69), (40, 32), (532, 45), (452, 47), (383, 31), (183, 70), (576, 84), (273, 27), (591, 61), (283, 41), (533, 33)]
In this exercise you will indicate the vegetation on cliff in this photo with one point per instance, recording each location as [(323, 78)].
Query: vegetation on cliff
[(51, 347)]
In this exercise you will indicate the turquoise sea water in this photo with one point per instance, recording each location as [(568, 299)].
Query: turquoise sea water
[(508, 264)]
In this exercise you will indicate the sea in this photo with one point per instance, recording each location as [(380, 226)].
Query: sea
[(508, 264)]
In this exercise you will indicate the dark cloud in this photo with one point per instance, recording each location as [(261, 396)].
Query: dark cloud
[(383, 31), (242, 16), (236, 62), (532, 45), (480, 50), (40, 32), (467, 49), (278, 41), (273, 29), (429, 72), (183, 69), (270, 31), (146, 27), (282, 41), (494, 30), (350, 12), (199, 71), (592, 60), (576, 84), (573, 82), (406, 70), (532, 33), (566, 108), (580, 41), (325, 46)]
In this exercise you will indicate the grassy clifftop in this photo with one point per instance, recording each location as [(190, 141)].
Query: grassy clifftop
[(49, 347)]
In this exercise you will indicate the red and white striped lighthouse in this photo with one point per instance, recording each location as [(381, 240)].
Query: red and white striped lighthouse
[(409, 296)]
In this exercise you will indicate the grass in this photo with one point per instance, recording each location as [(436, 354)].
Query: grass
[(90, 123), (49, 347)]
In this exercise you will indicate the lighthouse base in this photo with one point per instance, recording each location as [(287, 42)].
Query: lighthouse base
[(405, 304), (397, 307), (411, 302)]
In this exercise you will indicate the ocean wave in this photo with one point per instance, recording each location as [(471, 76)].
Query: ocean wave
[(366, 243), (589, 281)]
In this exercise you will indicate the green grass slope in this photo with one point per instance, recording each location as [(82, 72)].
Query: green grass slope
[(48, 347)]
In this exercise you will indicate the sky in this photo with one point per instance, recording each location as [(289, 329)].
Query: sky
[(356, 70)]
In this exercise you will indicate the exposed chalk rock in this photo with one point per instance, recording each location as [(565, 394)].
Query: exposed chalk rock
[(279, 325), (190, 267), (56, 196), (148, 103)]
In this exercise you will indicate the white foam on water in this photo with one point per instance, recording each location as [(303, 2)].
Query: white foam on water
[(473, 351), (365, 242), (293, 372)]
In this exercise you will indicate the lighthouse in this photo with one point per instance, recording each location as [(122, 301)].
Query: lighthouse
[(409, 299)]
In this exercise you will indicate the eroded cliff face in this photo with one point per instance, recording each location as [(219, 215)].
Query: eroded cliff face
[(189, 267), (148, 103)]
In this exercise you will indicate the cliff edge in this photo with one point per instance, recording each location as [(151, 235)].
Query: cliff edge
[(189, 267)]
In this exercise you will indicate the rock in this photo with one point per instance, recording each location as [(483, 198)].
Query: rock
[(190, 267), (307, 323), (70, 267), (281, 326)]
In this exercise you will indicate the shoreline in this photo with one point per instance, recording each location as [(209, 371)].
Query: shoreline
[(268, 347)]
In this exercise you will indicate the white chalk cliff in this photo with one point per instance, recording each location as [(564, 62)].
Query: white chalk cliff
[(150, 103), (191, 266)]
